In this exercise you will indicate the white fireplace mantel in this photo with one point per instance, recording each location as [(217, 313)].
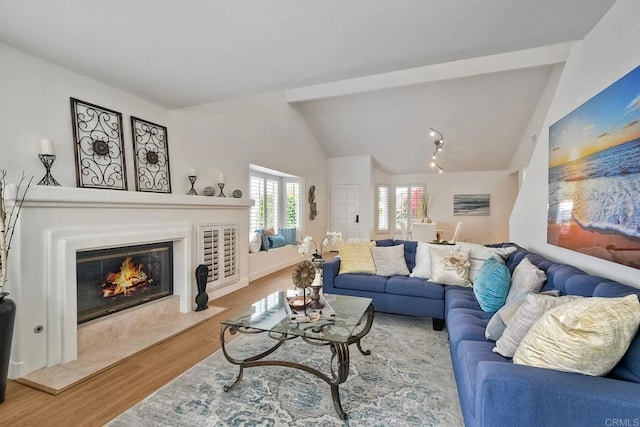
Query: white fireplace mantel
[(60, 274), (56, 222), (91, 197)]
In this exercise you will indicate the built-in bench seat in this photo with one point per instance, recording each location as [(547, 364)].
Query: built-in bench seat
[(266, 262)]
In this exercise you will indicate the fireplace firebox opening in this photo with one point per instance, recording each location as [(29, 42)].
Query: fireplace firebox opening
[(111, 280)]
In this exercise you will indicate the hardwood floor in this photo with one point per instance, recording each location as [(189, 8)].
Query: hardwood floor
[(101, 398)]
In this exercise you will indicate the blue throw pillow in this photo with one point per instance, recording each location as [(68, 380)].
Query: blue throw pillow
[(289, 235), (264, 246), (492, 285), (384, 242), (410, 249), (277, 241)]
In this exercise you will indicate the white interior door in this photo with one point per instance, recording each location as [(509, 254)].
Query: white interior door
[(345, 210)]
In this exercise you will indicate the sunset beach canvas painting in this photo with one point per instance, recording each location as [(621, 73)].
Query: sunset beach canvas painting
[(594, 175)]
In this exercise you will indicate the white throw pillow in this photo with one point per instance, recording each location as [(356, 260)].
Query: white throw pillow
[(499, 321), (478, 254), (450, 265), (389, 260), (526, 277), (255, 242), (587, 336), (532, 309), (422, 268)]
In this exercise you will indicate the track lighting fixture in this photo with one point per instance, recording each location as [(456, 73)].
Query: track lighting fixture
[(439, 143)]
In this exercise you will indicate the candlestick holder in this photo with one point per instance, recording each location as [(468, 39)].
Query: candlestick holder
[(192, 180), (221, 186), (48, 179), (316, 285)]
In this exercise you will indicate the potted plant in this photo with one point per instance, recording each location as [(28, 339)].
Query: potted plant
[(317, 259), (10, 205)]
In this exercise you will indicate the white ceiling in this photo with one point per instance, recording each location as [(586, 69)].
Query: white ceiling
[(482, 119), (184, 53)]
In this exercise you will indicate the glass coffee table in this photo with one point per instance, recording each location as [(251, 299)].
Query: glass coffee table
[(351, 322)]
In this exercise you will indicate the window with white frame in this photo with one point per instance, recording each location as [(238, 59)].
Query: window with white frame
[(277, 199), (292, 208), (409, 200), (383, 208)]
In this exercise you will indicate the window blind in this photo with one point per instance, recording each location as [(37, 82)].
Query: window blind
[(210, 245), (383, 208), (257, 210), (409, 204), (271, 203)]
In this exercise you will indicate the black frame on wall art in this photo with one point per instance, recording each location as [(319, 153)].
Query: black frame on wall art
[(151, 156), (98, 145)]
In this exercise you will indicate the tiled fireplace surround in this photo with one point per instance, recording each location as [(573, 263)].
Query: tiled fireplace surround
[(57, 222)]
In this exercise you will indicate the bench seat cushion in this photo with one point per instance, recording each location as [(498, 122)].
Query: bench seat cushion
[(361, 282), (460, 297), (466, 324)]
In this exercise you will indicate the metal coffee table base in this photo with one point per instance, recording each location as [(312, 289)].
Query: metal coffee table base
[(339, 356)]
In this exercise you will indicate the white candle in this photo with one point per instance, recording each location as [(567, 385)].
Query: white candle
[(192, 172), (46, 146), (221, 178)]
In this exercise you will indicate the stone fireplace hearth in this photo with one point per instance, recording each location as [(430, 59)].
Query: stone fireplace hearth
[(104, 343)]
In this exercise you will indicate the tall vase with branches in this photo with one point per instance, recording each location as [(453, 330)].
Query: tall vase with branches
[(11, 199), (9, 214)]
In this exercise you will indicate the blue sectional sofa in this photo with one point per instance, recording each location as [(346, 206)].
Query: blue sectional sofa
[(396, 294), (493, 391)]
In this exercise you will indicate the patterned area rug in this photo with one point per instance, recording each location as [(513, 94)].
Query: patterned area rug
[(406, 381)]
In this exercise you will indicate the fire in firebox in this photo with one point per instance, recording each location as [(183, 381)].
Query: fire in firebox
[(114, 279), (127, 281)]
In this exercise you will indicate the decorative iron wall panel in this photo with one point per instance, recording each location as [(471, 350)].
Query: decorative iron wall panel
[(151, 154), (99, 149)]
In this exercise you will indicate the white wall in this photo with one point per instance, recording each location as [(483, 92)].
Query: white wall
[(608, 52), (34, 104), (264, 130), (222, 137), (522, 157), (356, 170), (500, 185)]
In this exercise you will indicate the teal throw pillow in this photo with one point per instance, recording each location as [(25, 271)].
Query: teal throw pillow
[(492, 285), (264, 246), (289, 235), (277, 241)]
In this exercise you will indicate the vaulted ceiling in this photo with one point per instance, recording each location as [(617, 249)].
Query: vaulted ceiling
[(179, 54)]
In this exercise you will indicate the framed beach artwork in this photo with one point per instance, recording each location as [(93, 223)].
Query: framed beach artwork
[(471, 204), (594, 175)]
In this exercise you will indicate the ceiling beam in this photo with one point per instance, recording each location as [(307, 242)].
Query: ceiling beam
[(528, 58)]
